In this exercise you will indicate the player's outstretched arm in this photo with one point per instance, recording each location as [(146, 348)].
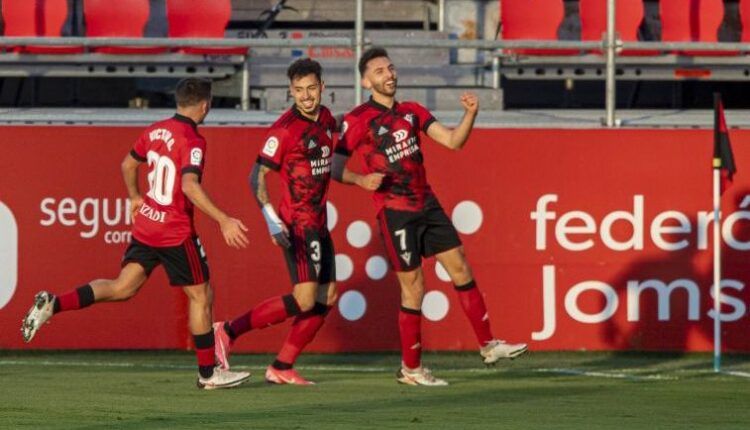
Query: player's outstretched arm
[(278, 230), (456, 138), (231, 228), (340, 173), (129, 169)]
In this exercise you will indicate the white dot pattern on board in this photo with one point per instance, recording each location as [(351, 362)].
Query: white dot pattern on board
[(358, 234), (352, 305), (344, 267), (376, 267), (435, 305), (467, 217)]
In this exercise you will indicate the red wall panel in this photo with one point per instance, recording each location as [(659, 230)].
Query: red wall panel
[(585, 219)]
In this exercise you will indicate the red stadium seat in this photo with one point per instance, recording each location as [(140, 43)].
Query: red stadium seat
[(201, 18), (745, 20), (28, 18), (628, 18), (533, 20), (692, 21), (120, 18)]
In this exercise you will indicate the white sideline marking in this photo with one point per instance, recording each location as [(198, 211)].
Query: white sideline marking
[(609, 375), (330, 368), (737, 373)]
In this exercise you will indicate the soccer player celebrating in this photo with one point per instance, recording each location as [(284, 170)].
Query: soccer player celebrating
[(163, 231), (412, 222), (299, 147)]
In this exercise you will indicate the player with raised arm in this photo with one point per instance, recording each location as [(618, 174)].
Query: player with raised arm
[(163, 231), (299, 147), (411, 220)]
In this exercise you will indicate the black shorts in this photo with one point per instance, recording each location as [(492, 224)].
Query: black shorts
[(185, 264), (409, 236), (311, 257)]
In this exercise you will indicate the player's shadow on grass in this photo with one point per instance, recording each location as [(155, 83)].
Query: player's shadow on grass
[(675, 320)]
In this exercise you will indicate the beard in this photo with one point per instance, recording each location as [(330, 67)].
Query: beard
[(385, 90)]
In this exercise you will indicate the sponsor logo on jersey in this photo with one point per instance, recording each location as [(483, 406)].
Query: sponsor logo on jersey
[(382, 130), (312, 144), (409, 117), (406, 256), (196, 156), (400, 135), (272, 144)]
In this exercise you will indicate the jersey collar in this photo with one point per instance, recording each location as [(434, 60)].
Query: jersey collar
[(379, 106), (186, 120), (299, 115)]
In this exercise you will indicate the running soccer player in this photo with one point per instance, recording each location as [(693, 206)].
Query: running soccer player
[(163, 231), (412, 222), (299, 147)]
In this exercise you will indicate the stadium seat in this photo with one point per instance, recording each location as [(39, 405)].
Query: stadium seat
[(692, 21), (28, 18), (121, 18), (628, 19), (533, 20), (201, 18), (744, 8)]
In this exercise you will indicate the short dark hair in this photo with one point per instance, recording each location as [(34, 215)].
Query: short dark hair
[(191, 91), (371, 54), (304, 67)]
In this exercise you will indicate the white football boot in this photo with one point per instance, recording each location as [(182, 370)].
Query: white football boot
[(497, 349), (419, 376), (39, 314), (222, 379)]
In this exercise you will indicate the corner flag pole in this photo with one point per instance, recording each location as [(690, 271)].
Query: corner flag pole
[(719, 127), (717, 267)]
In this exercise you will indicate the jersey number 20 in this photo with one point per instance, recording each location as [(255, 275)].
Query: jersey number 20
[(161, 178)]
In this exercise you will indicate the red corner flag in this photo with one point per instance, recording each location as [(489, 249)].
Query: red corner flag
[(723, 158)]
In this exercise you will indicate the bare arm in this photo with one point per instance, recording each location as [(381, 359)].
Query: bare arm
[(340, 173), (129, 169), (456, 138), (232, 229), (278, 230)]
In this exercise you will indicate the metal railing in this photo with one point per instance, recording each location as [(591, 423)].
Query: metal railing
[(497, 48)]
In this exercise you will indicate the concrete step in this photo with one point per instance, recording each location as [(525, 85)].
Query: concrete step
[(409, 76)]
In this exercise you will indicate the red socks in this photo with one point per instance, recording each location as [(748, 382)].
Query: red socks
[(475, 310), (303, 331), (409, 326), (71, 300), (267, 313), (204, 351)]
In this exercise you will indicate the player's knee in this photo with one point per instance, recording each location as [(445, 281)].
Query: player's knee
[(462, 274), (412, 291), (305, 301), (201, 295), (123, 291)]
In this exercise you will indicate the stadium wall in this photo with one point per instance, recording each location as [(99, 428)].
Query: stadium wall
[(580, 239)]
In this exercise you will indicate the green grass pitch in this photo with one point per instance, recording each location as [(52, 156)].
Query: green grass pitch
[(583, 390)]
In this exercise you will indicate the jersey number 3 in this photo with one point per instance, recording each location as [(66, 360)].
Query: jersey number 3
[(161, 178)]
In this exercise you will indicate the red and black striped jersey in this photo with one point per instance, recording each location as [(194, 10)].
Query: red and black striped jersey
[(300, 149), (389, 141), (171, 148)]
